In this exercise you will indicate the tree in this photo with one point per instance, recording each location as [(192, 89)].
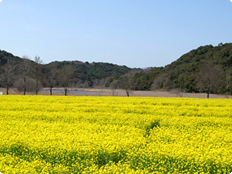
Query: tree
[(113, 86), (25, 69), (127, 82), (8, 74), (37, 72), (89, 81), (158, 82), (181, 85), (65, 76), (51, 78), (209, 78)]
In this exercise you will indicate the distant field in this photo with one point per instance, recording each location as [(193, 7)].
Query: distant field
[(43, 134)]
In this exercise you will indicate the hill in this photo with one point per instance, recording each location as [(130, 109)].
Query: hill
[(79, 74), (189, 73), (90, 72), (5, 55), (185, 73)]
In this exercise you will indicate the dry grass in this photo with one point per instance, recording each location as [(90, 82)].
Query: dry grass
[(119, 92)]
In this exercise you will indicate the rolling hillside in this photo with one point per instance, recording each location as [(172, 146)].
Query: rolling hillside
[(183, 74)]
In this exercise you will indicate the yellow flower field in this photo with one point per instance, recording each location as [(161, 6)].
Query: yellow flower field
[(58, 134)]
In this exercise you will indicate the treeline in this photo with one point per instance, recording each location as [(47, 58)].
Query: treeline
[(205, 69), (32, 75)]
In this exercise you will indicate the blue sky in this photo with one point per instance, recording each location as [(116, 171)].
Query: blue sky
[(135, 33)]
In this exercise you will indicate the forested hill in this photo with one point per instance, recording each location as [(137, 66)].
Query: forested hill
[(94, 70), (5, 55), (188, 73), (79, 74), (205, 69), (187, 68)]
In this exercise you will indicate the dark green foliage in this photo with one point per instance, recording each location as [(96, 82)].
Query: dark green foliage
[(4, 58), (183, 73), (145, 79), (83, 72), (87, 72), (137, 79), (5, 55), (107, 84)]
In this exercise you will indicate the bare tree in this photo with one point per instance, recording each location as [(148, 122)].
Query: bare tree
[(65, 76), (209, 78), (25, 69), (179, 92), (113, 86), (37, 72), (51, 79), (8, 74), (168, 84), (181, 86), (158, 82), (127, 82)]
